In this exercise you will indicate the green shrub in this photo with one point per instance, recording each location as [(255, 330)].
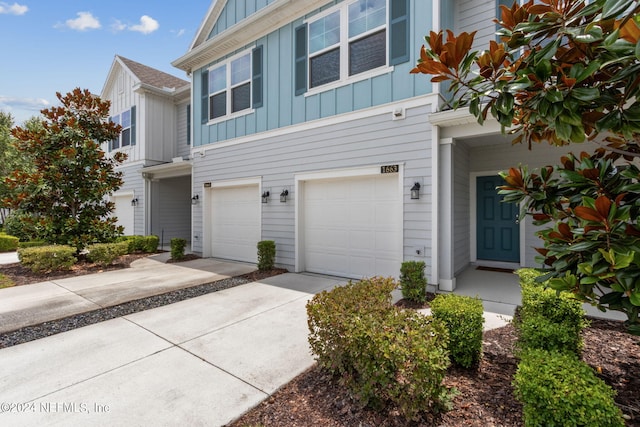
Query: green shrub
[(21, 225), (146, 244), (48, 258), (5, 282), (177, 248), (384, 355), (463, 317), (8, 243), (547, 319), (105, 253), (266, 254), (412, 281), (557, 389), (32, 244)]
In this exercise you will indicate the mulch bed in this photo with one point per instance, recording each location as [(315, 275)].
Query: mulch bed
[(485, 395)]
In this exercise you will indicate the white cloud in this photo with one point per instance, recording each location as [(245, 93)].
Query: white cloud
[(30, 104), (12, 9), (84, 21), (179, 33), (118, 26), (147, 25)]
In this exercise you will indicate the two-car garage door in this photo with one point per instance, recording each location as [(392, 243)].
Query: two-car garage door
[(353, 226)]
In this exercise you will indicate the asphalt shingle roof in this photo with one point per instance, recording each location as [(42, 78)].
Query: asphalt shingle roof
[(153, 77)]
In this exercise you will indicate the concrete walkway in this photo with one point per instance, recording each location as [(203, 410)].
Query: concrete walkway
[(199, 362)]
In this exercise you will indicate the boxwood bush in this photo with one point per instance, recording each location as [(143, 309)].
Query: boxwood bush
[(547, 319), (266, 254), (177, 248), (8, 243), (48, 258), (558, 389), (463, 317), (146, 244), (384, 355), (412, 281), (105, 253)]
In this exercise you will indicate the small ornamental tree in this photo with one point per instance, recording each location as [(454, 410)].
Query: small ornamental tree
[(564, 71), (66, 193)]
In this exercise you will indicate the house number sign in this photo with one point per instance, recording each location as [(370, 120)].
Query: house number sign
[(390, 169)]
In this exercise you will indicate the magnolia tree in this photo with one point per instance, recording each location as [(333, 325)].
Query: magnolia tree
[(564, 71), (64, 196)]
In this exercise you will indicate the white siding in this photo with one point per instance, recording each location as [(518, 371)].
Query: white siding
[(183, 146), (134, 183), (476, 15)]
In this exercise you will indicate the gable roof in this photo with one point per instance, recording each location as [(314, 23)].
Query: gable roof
[(151, 76), (204, 50)]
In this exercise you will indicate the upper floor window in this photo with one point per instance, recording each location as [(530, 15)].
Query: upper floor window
[(230, 87), (348, 41), (126, 119)]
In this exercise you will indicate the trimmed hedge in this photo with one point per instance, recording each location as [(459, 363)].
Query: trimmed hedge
[(463, 317), (32, 244), (547, 319), (146, 244), (558, 389), (105, 253), (412, 281), (8, 243), (383, 354), (48, 258), (266, 254), (177, 248)]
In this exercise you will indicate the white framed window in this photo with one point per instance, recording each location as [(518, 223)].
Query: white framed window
[(347, 40), (127, 137), (230, 87)]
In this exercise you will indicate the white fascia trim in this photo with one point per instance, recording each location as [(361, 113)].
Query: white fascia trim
[(435, 203), (319, 123), (339, 173), (452, 117), (129, 193)]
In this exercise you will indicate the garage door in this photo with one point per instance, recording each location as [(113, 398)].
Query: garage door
[(353, 226), (235, 223), (124, 212)]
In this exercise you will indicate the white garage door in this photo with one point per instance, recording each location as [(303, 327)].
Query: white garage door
[(353, 226), (124, 212), (235, 223)]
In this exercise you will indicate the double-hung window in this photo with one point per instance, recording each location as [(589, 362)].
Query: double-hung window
[(126, 119), (349, 40), (230, 87)]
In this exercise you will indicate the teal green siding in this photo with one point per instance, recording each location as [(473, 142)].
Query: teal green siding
[(235, 11), (281, 107)]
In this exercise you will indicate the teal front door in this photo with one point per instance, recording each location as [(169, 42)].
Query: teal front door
[(498, 236)]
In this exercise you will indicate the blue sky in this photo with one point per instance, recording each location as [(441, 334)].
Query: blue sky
[(50, 46)]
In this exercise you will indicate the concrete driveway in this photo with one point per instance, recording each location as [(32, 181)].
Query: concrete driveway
[(199, 362)]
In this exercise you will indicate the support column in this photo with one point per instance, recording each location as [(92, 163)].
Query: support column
[(446, 280)]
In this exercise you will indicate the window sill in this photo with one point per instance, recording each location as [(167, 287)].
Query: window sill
[(353, 79), (230, 116)]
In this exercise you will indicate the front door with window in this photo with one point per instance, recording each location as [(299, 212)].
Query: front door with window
[(498, 237)]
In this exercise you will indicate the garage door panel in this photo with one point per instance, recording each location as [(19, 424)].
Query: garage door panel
[(356, 236), (235, 223)]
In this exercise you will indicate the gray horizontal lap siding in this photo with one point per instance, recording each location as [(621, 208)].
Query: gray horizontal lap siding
[(367, 141)]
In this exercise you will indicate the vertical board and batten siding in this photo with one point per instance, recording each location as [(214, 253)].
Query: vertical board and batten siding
[(374, 140), (235, 11), (171, 209), (122, 98), (476, 15), (461, 208), (282, 107), (159, 128), (183, 145), (133, 182), (502, 156)]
